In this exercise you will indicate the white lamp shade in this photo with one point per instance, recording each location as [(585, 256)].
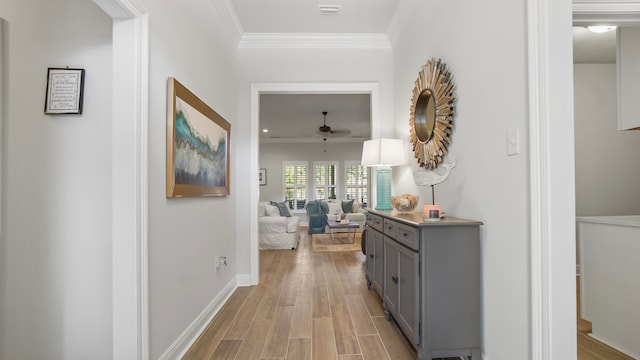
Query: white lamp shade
[(383, 152)]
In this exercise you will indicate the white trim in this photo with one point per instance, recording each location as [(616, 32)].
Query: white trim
[(129, 178), (244, 280), (539, 179), (184, 342), (313, 41), (254, 128), (587, 12), (229, 19)]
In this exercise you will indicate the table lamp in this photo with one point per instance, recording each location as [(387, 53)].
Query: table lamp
[(382, 154)]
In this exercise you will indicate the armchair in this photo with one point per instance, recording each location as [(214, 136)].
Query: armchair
[(317, 216)]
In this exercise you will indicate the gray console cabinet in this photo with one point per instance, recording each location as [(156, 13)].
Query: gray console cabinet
[(430, 281)]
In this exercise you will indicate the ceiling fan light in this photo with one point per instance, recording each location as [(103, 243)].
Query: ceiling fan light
[(598, 29)]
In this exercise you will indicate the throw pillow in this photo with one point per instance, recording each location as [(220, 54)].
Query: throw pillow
[(324, 207), (283, 208), (347, 206), (335, 207), (271, 210), (357, 205)]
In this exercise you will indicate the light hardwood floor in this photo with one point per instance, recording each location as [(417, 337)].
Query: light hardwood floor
[(308, 305)]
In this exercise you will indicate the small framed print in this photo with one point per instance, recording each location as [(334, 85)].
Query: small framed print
[(262, 176), (64, 91)]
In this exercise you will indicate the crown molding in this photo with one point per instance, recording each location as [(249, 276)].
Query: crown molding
[(592, 12), (313, 41), (229, 18)]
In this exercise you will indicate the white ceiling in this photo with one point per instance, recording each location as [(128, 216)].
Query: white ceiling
[(297, 117), (354, 16)]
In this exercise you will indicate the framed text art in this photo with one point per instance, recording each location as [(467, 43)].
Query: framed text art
[(197, 146), (65, 89), (262, 177)]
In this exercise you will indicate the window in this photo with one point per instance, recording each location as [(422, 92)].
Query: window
[(295, 184), (356, 181), (326, 185)]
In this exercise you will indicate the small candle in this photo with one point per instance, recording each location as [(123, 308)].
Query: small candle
[(431, 211)]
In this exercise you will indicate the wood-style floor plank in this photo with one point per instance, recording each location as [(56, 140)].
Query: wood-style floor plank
[(360, 316), (299, 349), (278, 339), (323, 340), (392, 340), (346, 340), (208, 341), (253, 344), (227, 350), (308, 305), (372, 347)]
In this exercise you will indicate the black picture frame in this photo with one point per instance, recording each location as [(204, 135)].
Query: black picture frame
[(65, 91), (262, 177)]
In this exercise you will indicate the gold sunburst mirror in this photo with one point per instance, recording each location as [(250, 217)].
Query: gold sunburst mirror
[(432, 112)]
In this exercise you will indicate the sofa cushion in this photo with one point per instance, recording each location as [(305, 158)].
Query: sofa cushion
[(271, 210), (347, 206), (335, 207), (283, 207), (357, 205)]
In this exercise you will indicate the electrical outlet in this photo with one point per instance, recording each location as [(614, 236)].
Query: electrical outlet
[(222, 260)]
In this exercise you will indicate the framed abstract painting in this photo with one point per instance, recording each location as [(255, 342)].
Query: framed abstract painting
[(197, 146)]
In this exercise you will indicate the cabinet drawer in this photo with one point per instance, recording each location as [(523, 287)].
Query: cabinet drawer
[(408, 236), (375, 221), (390, 228)]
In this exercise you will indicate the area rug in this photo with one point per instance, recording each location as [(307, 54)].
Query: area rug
[(323, 242)]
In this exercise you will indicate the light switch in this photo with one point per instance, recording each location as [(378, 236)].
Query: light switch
[(513, 142)]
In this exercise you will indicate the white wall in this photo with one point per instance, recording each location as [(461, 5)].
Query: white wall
[(273, 155), (56, 238), (186, 235), (489, 67), (607, 177), (257, 66)]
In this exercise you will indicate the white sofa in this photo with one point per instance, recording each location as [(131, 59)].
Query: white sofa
[(358, 214), (275, 231)]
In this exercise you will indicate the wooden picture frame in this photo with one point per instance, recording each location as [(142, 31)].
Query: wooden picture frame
[(198, 146), (65, 91), (262, 177)]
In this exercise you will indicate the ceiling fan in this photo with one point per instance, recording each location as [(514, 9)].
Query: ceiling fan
[(326, 131)]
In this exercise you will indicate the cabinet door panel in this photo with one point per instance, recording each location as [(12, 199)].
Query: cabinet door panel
[(371, 253), (390, 285), (408, 289), (379, 261)]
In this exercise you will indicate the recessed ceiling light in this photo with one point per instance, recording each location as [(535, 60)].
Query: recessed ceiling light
[(601, 28), (328, 9), (265, 130)]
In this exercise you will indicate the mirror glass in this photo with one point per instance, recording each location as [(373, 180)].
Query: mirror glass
[(425, 116)]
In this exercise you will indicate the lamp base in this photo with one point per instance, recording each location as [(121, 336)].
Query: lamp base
[(383, 194)]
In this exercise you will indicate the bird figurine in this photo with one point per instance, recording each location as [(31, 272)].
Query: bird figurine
[(430, 177)]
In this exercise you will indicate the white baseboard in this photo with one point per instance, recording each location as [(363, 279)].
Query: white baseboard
[(183, 343), (244, 280)]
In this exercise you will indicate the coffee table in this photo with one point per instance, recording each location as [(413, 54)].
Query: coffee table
[(346, 225)]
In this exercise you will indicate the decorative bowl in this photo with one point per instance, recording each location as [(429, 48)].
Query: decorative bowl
[(404, 203)]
